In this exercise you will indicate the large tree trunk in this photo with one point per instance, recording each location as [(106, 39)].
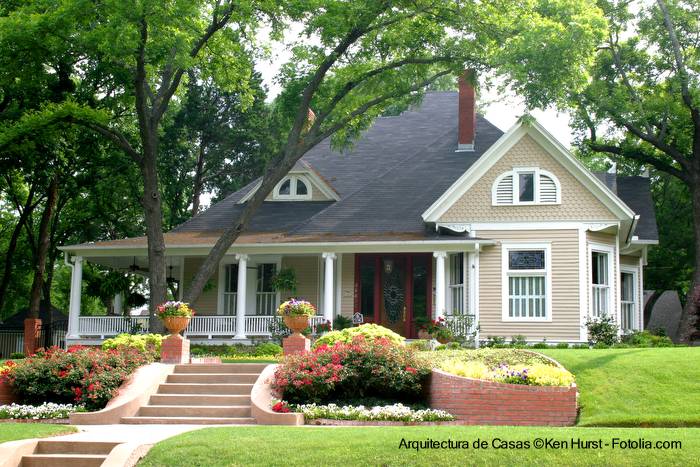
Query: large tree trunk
[(689, 318), (43, 249), (154, 232), (198, 179)]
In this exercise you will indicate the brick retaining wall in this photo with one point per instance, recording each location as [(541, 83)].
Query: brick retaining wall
[(477, 402), (6, 394)]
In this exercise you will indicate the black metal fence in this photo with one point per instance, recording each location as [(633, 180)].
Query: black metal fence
[(12, 338)]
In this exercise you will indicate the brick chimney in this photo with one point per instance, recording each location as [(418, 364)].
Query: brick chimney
[(467, 112)]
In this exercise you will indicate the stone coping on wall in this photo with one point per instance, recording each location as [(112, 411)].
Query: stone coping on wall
[(479, 402), (261, 398)]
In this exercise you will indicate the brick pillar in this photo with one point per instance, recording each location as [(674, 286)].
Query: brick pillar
[(32, 331), (296, 343), (175, 349)]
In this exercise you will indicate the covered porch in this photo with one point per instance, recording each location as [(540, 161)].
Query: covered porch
[(394, 284)]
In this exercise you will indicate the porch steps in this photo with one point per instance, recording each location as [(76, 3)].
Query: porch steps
[(59, 453), (202, 394)]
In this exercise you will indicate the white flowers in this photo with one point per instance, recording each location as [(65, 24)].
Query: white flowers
[(395, 412), (47, 410)]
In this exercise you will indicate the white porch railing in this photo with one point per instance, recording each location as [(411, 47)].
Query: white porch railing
[(104, 326), (211, 326), (461, 325)]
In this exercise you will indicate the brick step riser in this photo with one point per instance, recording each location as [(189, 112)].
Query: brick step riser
[(212, 378), (184, 389), (198, 399), (47, 460), (185, 421), (193, 411), (220, 368)]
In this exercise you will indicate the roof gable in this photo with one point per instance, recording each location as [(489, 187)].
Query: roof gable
[(500, 148)]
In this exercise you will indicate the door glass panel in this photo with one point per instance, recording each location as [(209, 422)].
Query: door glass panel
[(367, 270), (420, 287)]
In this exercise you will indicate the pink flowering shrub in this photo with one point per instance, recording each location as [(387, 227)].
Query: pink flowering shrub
[(376, 368), (81, 375)]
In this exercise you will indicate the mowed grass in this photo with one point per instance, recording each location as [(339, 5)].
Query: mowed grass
[(368, 446), (650, 387), (15, 431)]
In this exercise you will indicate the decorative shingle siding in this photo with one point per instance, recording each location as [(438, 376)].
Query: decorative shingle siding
[(577, 202), (565, 324)]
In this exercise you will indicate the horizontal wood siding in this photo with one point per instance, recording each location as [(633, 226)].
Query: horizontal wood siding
[(347, 285), (207, 302), (306, 269), (565, 324)]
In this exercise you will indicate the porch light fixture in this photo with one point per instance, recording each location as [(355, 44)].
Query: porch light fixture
[(388, 266)]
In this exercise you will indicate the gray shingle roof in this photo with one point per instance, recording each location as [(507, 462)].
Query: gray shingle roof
[(635, 192), (389, 177)]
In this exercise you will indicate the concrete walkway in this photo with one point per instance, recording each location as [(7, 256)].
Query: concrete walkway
[(141, 434)]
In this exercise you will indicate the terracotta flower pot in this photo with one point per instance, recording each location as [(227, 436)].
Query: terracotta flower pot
[(296, 323), (443, 340), (423, 334), (176, 324)]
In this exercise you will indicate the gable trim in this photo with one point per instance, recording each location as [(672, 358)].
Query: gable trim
[(555, 149)]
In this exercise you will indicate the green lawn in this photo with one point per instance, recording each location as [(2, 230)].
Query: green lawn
[(635, 387), (348, 446), (13, 431)]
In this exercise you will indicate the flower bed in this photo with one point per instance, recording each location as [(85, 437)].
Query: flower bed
[(82, 375), (45, 411), (395, 413), (533, 374)]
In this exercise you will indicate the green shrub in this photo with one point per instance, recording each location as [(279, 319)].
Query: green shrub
[(341, 322), (82, 375), (267, 348), (602, 330), (441, 347), (363, 367), (142, 342), (562, 345), (454, 345), (646, 339), (495, 341), (518, 340), (601, 345), (540, 345), (420, 345), (580, 346), (369, 331), (16, 356)]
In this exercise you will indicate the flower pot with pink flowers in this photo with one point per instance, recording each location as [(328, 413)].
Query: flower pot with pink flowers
[(296, 313), (176, 316)]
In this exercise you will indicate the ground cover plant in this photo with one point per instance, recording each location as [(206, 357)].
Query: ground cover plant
[(382, 446), (395, 412), (536, 374), (262, 351), (369, 331), (143, 342), (45, 411), (85, 376)]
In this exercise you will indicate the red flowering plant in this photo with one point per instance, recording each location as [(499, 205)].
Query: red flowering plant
[(365, 367), (280, 407), (81, 375)]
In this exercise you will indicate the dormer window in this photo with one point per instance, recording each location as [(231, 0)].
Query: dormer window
[(526, 186), (294, 187)]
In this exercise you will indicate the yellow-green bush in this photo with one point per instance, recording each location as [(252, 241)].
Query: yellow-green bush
[(142, 342), (369, 331), (535, 374)]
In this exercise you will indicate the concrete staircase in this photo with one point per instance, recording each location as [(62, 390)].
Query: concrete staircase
[(202, 394), (57, 453)]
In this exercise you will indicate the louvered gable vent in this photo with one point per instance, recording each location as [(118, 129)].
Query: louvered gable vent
[(548, 190), (504, 191)]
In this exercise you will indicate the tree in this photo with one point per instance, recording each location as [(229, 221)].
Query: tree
[(643, 104), (359, 59), (137, 55)]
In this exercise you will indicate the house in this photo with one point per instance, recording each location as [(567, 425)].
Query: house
[(435, 212)]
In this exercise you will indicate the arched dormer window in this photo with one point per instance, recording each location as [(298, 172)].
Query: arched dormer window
[(294, 187), (526, 186)]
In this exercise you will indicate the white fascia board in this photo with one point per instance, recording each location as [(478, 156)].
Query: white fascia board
[(251, 192), (552, 146)]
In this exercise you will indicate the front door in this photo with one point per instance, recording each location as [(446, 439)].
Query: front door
[(393, 310)]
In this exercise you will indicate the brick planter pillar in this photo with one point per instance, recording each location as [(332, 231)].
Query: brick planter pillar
[(296, 343), (7, 395), (32, 331), (175, 349)]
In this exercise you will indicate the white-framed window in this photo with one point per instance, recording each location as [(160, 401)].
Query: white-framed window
[(456, 284), (601, 266), (293, 188), (526, 186), (527, 282), (628, 298)]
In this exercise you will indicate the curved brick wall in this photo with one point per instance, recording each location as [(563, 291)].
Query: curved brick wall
[(477, 402)]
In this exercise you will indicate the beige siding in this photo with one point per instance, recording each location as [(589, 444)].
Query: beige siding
[(307, 273), (629, 260), (577, 202), (347, 285), (565, 309), (206, 304), (609, 240)]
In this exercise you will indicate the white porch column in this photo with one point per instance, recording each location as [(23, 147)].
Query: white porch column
[(440, 284), (241, 296), (76, 285), (118, 304), (328, 286)]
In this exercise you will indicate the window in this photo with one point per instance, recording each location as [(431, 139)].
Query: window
[(628, 299), (600, 283), (526, 282), (230, 289), (526, 187), (266, 296), (294, 187), (456, 284)]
